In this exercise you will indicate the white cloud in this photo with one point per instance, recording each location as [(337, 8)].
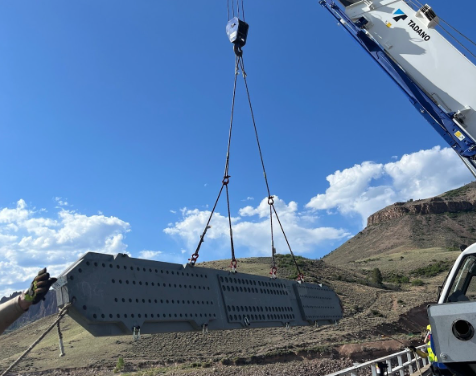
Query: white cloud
[(368, 187), (61, 202), (151, 255), (29, 241), (254, 234)]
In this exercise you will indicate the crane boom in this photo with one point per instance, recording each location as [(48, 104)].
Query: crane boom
[(437, 77), (439, 81)]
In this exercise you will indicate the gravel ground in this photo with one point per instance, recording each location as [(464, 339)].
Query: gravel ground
[(314, 367)]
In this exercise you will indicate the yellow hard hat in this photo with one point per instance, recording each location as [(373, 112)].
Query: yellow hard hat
[(428, 327)]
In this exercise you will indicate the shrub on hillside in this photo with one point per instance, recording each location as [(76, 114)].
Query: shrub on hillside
[(119, 365), (417, 282), (377, 276), (432, 270), (397, 278), (286, 261)]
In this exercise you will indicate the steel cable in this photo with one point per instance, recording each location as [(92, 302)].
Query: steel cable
[(225, 180), (270, 198), (61, 314), (457, 41), (417, 4)]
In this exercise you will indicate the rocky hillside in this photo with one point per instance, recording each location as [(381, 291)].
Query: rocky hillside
[(460, 200), (440, 223)]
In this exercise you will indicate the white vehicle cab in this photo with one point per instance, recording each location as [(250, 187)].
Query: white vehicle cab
[(453, 319)]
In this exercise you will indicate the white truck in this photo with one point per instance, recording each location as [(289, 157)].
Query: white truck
[(453, 319)]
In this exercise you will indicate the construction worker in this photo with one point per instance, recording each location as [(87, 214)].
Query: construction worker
[(14, 308), (438, 369)]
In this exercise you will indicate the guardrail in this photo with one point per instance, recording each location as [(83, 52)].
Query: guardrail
[(395, 362)]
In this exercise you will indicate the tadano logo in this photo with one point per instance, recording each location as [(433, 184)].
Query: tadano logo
[(399, 15)]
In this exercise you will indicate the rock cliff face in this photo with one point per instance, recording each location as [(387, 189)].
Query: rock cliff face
[(444, 222), (435, 205)]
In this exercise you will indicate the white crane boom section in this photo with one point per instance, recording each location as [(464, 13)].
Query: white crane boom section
[(409, 37)]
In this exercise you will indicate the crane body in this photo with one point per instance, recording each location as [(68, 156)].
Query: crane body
[(439, 81)]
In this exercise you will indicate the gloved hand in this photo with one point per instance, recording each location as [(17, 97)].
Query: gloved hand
[(412, 348), (39, 287)]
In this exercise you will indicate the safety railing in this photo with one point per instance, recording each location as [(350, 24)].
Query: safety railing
[(401, 364)]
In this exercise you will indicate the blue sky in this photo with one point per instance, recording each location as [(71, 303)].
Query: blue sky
[(114, 119)]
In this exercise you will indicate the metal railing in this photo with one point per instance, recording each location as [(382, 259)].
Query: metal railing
[(395, 362)]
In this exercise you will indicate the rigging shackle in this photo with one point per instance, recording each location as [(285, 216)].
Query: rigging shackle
[(273, 272), (233, 265), (237, 31), (193, 259)]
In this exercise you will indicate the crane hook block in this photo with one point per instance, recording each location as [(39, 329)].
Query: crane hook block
[(237, 31)]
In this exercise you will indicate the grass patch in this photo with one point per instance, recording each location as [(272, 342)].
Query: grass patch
[(286, 261), (376, 313), (119, 365), (456, 192), (432, 270), (417, 282), (397, 278), (367, 260)]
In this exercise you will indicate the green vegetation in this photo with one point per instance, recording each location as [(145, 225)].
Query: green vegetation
[(397, 278), (417, 282), (119, 365), (286, 261), (377, 313), (377, 276), (198, 365), (432, 270), (456, 192), (367, 260)]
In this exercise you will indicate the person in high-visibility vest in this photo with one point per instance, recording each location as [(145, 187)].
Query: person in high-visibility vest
[(438, 369)]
